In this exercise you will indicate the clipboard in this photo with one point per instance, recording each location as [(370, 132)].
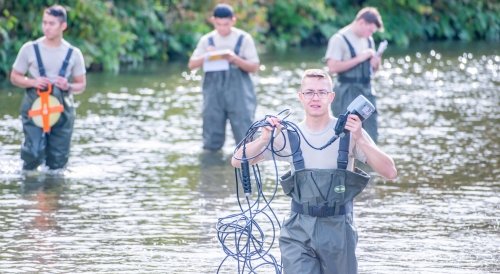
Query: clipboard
[(214, 60), (381, 48)]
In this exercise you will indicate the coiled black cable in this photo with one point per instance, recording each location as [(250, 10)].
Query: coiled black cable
[(241, 236)]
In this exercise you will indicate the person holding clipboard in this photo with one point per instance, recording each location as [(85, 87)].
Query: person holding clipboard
[(351, 55), (227, 55)]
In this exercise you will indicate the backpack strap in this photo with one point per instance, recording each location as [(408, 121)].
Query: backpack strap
[(351, 48), (343, 156), (211, 41), (238, 44), (298, 159), (62, 71), (237, 47), (41, 68)]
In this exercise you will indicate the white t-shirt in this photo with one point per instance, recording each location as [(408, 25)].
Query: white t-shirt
[(313, 158), (248, 50), (52, 59), (339, 50)]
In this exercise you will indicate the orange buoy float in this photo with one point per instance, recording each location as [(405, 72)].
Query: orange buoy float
[(46, 109)]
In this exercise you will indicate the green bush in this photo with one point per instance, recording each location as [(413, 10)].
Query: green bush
[(111, 33)]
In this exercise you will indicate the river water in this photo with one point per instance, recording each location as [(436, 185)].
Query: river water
[(141, 196)]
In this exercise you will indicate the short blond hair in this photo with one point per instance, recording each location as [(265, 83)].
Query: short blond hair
[(318, 74)]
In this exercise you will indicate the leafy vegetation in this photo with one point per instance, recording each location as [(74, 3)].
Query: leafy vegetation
[(112, 33)]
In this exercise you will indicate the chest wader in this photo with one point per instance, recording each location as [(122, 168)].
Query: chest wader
[(319, 236), (227, 95), (50, 147), (352, 83)]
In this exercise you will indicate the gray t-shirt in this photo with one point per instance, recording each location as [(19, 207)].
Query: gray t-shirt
[(339, 50), (52, 59), (313, 158), (248, 50)]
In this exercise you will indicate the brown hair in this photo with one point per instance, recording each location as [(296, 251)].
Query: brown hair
[(57, 11), (371, 16)]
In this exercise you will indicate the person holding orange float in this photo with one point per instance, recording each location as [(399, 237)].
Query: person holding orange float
[(51, 70)]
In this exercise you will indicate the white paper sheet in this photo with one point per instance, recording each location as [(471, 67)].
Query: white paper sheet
[(215, 61), (216, 65)]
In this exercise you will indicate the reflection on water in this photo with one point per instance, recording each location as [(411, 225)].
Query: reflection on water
[(32, 222), (43, 191), (141, 196)]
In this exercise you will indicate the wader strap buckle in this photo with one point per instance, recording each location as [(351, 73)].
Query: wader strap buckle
[(316, 211)]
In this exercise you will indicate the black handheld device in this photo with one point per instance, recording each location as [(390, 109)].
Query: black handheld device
[(245, 175)]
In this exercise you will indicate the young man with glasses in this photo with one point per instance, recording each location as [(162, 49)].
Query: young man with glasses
[(319, 236), (51, 68), (351, 54), (228, 55)]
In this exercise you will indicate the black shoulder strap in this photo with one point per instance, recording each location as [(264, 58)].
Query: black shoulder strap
[(351, 48), (298, 159), (62, 71), (238, 45), (369, 43), (41, 68), (211, 41), (343, 157)]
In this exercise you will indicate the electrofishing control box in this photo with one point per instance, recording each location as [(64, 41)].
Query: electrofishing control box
[(359, 106)]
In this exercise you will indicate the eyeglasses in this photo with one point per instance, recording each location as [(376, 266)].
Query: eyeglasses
[(310, 94)]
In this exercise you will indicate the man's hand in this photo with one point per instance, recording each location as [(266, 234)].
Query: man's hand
[(41, 83), (231, 57), (62, 83), (266, 131), (354, 125), (366, 54), (375, 61), (257, 146)]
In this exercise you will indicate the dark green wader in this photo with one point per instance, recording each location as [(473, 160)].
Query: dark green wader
[(351, 84), (227, 95), (52, 147), (319, 237)]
